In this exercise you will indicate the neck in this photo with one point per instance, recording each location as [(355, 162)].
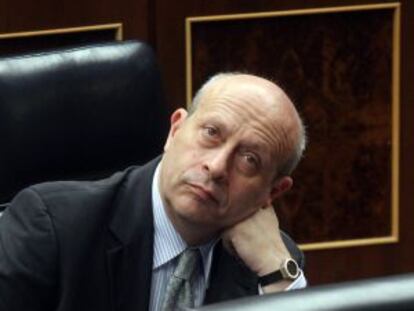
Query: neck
[(193, 234)]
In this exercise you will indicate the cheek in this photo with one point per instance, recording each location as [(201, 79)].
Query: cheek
[(181, 160), (189, 156), (185, 146)]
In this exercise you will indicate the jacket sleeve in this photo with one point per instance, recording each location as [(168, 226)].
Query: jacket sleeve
[(28, 255)]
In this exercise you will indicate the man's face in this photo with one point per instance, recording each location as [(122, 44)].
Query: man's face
[(219, 163)]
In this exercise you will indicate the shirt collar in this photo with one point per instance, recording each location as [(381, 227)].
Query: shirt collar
[(168, 243)]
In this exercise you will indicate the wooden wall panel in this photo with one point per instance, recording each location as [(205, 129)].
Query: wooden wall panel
[(170, 30), (25, 16), (26, 42), (341, 79)]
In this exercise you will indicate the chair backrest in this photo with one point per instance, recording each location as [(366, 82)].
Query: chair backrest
[(78, 113)]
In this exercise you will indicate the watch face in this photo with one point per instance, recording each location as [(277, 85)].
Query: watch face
[(292, 268)]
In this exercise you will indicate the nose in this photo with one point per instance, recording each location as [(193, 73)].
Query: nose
[(216, 164)]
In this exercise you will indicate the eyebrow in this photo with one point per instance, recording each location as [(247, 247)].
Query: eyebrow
[(253, 146), (262, 150), (217, 121)]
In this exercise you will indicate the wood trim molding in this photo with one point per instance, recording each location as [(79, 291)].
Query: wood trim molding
[(116, 26)]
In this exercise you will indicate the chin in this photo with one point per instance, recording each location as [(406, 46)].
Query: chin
[(198, 214)]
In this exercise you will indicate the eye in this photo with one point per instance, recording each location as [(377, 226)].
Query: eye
[(210, 132), (250, 159), (249, 163)]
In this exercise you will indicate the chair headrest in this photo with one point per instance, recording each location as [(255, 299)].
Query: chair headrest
[(78, 113)]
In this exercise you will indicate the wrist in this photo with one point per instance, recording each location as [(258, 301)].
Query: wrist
[(272, 264), (288, 271)]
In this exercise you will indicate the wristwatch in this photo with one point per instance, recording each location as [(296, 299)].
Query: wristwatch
[(289, 270)]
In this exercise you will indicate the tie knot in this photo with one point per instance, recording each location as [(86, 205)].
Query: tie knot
[(187, 264)]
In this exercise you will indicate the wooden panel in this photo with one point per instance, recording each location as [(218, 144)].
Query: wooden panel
[(24, 42), (341, 80), (170, 30), (25, 15)]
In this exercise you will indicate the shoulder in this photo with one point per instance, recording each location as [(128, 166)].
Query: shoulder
[(71, 198), (66, 190)]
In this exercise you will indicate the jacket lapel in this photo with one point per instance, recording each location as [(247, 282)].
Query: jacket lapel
[(130, 245)]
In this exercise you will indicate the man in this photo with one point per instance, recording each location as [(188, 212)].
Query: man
[(116, 244)]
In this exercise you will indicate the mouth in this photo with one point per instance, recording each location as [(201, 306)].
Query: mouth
[(204, 194)]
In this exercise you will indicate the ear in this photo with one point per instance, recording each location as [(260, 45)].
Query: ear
[(280, 186), (176, 119)]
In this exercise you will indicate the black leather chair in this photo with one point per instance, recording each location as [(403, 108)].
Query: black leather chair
[(78, 113)]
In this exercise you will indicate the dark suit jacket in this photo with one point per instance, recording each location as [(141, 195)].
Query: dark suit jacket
[(89, 245)]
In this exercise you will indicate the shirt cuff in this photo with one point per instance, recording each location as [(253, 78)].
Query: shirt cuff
[(299, 283)]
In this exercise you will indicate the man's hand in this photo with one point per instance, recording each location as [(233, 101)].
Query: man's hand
[(258, 243)]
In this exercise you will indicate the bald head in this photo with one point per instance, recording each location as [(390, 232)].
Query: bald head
[(270, 102)]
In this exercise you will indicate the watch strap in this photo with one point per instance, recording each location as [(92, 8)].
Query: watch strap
[(270, 278)]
